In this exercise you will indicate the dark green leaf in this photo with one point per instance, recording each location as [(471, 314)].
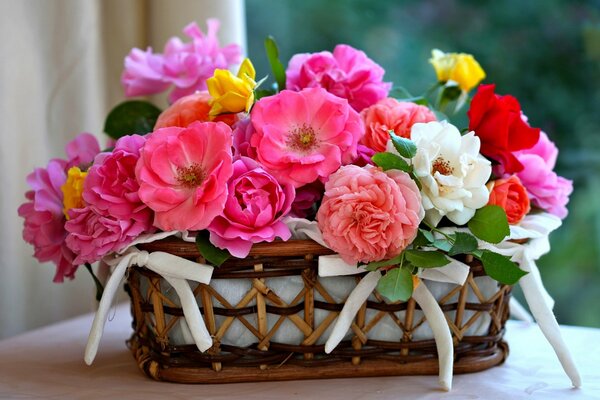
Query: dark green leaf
[(276, 66), (396, 285), (477, 253), (451, 93), (259, 94), (490, 224), (426, 259), (385, 263), (389, 161), (501, 268), (464, 243), (131, 117), (405, 147), (428, 235), (212, 254), (420, 240), (443, 245)]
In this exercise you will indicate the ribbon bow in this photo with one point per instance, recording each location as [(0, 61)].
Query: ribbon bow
[(175, 270)]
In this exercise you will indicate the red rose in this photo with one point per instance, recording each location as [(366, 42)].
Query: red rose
[(498, 122), (510, 194)]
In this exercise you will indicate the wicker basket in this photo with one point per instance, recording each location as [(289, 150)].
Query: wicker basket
[(261, 312)]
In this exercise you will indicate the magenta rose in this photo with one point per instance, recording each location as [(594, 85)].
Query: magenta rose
[(183, 174), (93, 235), (304, 136), (242, 133), (255, 205), (306, 199), (369, 215), (347, 73), (545, 188)]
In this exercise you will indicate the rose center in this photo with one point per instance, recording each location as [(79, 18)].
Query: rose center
[(302, 139), (442, 166), (192, 176)]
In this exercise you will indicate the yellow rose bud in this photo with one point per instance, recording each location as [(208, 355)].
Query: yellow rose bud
[(458, 67), (73, 189), (230, 93)]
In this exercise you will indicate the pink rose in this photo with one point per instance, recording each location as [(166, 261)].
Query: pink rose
[(369, 215), (255, 205), (304, 136), (347, 73), (242, 133), (186, 66), (183, 174), (391, 114), (93, 235), (111, 187), (546, 189)]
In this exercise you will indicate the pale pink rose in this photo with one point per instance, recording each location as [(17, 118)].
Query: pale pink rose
[(183, 174), (186, 66), (93, 235), (242, 133), (306, 199), (255, 205), (391, 114), (369, 215), (304, 136), (44, 219), (111, 186), (347, 73), (545, 188)]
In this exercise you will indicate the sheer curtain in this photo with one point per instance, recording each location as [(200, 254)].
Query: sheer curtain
[(59, 75)]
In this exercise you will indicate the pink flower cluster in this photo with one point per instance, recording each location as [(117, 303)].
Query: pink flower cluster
[(186, 66)]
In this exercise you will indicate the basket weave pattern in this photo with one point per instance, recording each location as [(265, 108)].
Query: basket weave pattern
[(155, 315)]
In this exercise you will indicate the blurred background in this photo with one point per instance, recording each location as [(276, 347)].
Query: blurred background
[(62, 77)]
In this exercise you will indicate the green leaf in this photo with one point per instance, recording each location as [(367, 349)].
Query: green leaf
[(385, 263), (396, 284), (464, 243), (428, 235), (260, 93), (490, 224), (276, 66), (426, 259), (477, 253), (212, 254), (405, 147), (501, 268), (442, 244), (389, 161), (131, 117)]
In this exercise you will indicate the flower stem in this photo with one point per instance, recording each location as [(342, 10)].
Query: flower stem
[(99, 287)]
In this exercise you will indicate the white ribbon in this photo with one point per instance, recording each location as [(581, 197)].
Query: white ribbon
[(175, 270)]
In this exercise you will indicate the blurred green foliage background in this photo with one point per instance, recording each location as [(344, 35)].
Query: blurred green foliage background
[(544, 52)]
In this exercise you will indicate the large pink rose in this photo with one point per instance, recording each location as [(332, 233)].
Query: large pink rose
[(369, 215), (304, 136), (111, 187), (44, 219), (183, 174), (391, 114), (93, 235), (186, 66), (347, 73), (546, 189), (255, 205)]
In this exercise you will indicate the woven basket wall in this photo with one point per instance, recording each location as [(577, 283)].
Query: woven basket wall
[(261, 311)]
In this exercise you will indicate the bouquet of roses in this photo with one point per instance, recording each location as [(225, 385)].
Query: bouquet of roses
[(378, 175)]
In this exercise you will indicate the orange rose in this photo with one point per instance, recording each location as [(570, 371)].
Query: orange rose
[(510, 194), (188, 109)]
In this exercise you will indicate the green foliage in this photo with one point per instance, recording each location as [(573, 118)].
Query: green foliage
[(426, 259), (464, 243), (212, 254), (276, 65), (131, 117), (405, 147), (396, 284), (501, 268), (389, 161), (490, 224)]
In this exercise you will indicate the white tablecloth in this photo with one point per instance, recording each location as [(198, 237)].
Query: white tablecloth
[(48, 364)]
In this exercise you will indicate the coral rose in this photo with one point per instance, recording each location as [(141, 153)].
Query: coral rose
[(369, 215), (304, 136), (347, 73), (255, 205), (189, 109), (391, 114), (183, 174), (498, 123), (511, 195)]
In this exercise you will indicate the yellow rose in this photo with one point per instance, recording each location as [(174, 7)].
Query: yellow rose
[(73, 189), (230, 93), (458, 67)]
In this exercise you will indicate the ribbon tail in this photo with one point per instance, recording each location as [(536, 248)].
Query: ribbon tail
[(192, 313), (103, 308), (534, 294), (356, 299), (517, 311), (441, 333)]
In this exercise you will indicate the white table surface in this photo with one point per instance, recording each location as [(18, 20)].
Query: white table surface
[(48, 364)]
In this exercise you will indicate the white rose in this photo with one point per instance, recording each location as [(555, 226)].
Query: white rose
[(452, 172)]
